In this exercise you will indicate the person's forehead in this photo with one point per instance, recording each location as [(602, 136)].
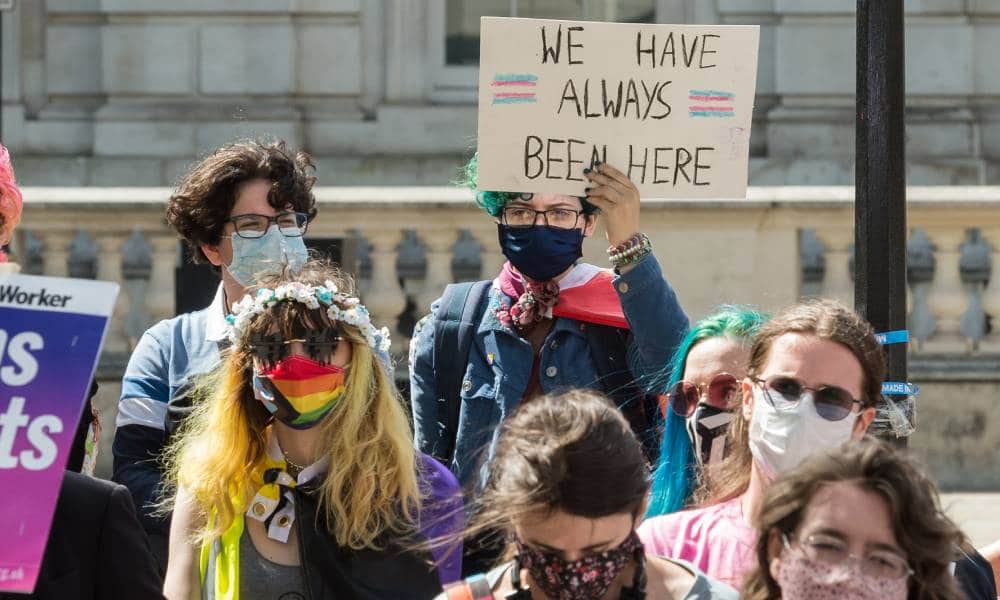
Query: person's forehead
[(715, 355), (852, 511), (814, 360), (252, 198), (566, 532), (546, 200)]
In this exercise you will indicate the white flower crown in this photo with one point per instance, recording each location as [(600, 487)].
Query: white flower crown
[(313, 297)]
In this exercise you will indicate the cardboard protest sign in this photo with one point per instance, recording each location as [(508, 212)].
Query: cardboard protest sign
[(669, 105), (51, 331)]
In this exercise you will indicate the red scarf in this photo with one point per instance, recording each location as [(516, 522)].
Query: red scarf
[(585, 294)]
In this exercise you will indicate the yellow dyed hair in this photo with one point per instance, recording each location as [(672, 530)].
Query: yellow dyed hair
[(371, 486)]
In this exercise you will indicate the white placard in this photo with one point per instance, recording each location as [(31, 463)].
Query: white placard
[(670, 105)]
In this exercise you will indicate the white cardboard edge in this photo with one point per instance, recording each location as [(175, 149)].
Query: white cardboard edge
[(85, 296)]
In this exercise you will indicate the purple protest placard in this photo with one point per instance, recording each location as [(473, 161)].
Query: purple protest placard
[(51, 331)]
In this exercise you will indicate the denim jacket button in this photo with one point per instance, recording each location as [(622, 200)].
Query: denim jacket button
[(551, 371), (466, 385), (554, 345), (623, 287)]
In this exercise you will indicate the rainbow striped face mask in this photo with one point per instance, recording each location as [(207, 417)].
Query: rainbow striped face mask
[(299, 391)]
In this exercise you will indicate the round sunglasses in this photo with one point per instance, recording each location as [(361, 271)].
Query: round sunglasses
[(832, 402), (720, 392)]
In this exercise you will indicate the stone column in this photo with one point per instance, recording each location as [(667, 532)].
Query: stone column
[(946, 298), (438, 245), (991, 295), (56, 255), (160, 301), (838, 282), (136, 269), (490, 256), (109, 258), (385, 299), (920, 267)]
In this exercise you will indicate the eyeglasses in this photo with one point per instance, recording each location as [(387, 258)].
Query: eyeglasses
[(832, 402), (523, 216), (320, 346), (251, 226), (832, 552), (684, 397)]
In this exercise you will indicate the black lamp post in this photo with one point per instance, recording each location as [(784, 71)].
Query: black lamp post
[(880, 175)]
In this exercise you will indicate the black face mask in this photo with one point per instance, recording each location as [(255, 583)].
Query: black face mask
[(707, 427), (540, 252)]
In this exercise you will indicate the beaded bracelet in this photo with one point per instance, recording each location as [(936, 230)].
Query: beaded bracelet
[(630, 251)]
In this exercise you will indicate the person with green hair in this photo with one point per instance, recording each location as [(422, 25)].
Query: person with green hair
[(705, 376), (545, 322)]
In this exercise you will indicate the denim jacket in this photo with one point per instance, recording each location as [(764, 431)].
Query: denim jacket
[(500, 363)]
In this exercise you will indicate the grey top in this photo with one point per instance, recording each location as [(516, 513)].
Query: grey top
[(705, 588), (259, 577)]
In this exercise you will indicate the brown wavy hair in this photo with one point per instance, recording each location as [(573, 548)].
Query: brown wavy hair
[(928, 538), (573, 452), (826, 319), (204, 198)]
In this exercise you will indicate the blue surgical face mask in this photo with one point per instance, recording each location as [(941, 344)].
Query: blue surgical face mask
[(540, 252), (269, 254)]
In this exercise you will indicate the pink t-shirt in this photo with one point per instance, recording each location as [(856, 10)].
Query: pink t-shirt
[(716, 539)]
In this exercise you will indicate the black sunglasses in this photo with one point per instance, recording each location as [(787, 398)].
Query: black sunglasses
[(320, 346), (832, 402)]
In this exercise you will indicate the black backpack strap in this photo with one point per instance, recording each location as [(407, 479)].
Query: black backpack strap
[(609, 348), (455, 322)]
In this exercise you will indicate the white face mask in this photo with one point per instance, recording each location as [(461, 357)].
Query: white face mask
[(780, 440)]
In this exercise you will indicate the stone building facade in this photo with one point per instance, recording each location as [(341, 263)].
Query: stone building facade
[(128, 92)]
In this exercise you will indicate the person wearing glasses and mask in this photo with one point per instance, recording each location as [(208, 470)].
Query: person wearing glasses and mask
[(296, 475), (704, 392), (546, 321), (244, 210), (814, 376), (861, 522)]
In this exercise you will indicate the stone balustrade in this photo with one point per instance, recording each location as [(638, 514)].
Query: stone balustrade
[(782, 243), (407, 243)]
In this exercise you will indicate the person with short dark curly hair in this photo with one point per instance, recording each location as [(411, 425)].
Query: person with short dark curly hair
[(244, 210)]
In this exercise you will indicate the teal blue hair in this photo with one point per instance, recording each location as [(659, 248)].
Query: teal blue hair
[(677, 469), (493, 202)]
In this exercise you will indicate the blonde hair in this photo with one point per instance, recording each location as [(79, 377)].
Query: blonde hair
[(371, 484)]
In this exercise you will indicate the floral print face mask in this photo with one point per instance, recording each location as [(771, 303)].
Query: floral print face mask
[(583, 579)]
